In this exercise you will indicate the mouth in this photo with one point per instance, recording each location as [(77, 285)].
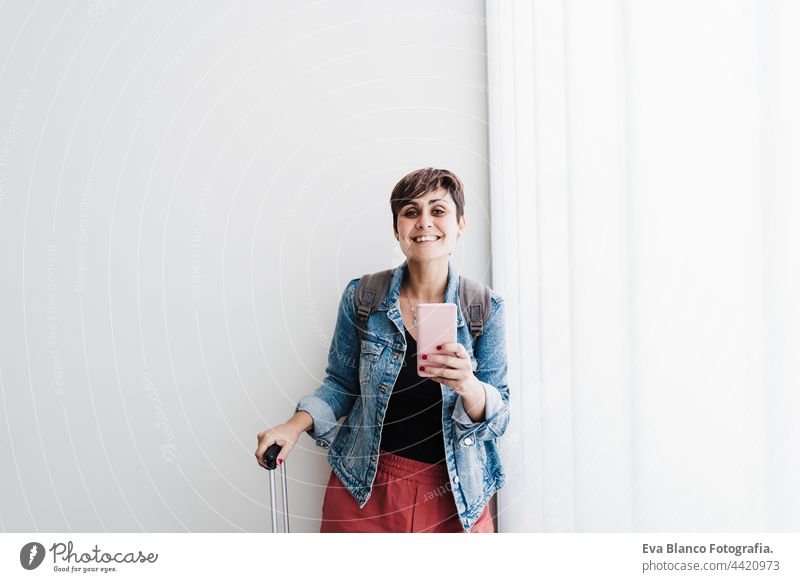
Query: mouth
[(430, 238)]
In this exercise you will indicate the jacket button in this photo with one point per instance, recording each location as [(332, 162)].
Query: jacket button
[(456, 479), (468, 441), (384, 387)]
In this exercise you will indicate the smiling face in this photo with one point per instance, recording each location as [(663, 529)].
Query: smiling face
[(427, 226)]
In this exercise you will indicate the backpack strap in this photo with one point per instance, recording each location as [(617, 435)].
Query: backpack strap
[(476, 303), (370, 291)]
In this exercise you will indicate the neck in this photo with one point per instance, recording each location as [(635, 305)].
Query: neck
[(427, 282)]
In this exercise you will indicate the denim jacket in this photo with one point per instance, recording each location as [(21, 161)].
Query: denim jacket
[(359, 387)]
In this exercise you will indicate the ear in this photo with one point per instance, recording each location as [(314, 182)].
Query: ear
[(462, 223)]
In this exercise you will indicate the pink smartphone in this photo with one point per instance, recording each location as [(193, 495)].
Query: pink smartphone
[(436, 325)]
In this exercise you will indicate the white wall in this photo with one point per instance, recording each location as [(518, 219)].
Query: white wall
[(185, 189)]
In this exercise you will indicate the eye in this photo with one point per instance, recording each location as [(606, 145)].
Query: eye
[(411, 213)]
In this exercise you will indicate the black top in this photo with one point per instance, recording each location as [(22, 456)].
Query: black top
[(412, 427)]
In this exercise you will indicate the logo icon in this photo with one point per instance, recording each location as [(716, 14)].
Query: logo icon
[(31, 555)]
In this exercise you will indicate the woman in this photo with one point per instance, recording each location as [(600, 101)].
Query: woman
[(417, 450)]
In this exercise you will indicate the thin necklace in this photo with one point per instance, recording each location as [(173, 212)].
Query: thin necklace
[(414, 311)]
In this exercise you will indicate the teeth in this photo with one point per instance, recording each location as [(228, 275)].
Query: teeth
[(425, 238)]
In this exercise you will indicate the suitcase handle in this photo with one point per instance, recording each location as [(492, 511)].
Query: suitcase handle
[(271, 455), (269, 460)]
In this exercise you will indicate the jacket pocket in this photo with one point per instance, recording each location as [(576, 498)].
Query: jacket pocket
[(370, 354)]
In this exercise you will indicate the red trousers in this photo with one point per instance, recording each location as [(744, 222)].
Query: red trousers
[(407, 496)]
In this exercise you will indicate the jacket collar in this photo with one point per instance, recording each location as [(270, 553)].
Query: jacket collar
[(450, 294)]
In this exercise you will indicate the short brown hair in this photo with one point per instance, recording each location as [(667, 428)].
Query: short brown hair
[(420, 182)]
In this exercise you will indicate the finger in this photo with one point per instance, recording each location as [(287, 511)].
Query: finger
[(285, 450), (448, 361), (436, 372), (265, 441), (454, 348)]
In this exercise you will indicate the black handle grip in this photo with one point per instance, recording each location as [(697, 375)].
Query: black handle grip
[(271, 455)]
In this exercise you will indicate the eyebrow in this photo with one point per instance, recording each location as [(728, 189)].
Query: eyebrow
[(413, 203)]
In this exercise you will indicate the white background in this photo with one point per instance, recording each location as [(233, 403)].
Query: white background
[(186, 190)]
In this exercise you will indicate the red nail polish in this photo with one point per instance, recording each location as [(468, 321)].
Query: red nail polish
[(422, 368), (424, 356), (280, 461), (438, 347)]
